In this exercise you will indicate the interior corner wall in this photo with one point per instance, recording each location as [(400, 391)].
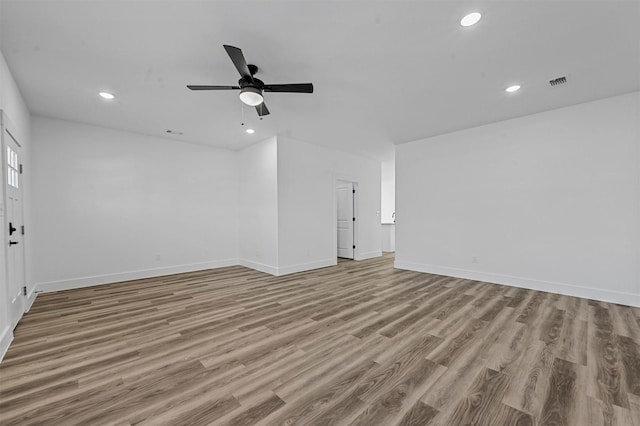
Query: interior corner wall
[(549, 201), (388, 191), (111, 205), (14, 106), (307, 177), (258, 206)]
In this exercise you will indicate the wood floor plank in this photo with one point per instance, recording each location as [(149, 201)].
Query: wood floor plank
[(358, 343), (530, 381), (398, 397), (385, 374), (307, 407), (519, 298), (203, 414), (420, 414), (482, 401), (560, 403), (630, 353), (606, 366), (509, 416), (385, 319), (257, 412), (460, 375), (532, 309), (454, 347), (572, 344), (634, 403)]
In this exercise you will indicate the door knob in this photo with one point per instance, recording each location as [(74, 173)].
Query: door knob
[(13, 243), (11, 229)]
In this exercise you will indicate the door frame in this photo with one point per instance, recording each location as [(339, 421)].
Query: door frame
[(356, 214)]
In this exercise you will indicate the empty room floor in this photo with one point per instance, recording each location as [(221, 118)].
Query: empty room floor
[(359, 343)]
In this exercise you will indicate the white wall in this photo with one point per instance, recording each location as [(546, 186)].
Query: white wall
[(258, 209), (112, 205), (549, 201), (307, 177), (12, 103), (388, 190)]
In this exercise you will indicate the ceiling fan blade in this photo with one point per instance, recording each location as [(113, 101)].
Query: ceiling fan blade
[(291, 88), (262, 109), (238, 60), (192, 87)]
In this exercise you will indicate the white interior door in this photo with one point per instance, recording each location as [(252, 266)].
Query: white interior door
[(346, 219), (13, 227)]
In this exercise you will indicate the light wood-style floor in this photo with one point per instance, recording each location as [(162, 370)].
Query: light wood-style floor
[(360, 343)]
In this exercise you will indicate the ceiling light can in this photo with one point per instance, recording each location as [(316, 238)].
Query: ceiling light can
[(250, 131), (470, 19), (513, 88), (106, 95)]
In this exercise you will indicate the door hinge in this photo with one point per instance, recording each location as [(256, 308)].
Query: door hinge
[(24, 290), (22, 229), (354, 246), (20, 168), (354, 219), (354, 191)]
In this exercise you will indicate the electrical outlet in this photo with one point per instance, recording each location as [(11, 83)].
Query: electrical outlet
[(157, 256), (474, 259)]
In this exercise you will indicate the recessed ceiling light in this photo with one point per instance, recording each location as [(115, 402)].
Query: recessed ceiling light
[(513, 88), (250, 131), (470, 19), (107, 95)]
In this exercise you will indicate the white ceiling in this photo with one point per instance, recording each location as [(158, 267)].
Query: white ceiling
[(384, 72)]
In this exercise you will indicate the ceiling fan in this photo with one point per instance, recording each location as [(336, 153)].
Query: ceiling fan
[(251, 88)]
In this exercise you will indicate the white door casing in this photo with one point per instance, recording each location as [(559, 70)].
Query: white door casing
[(345, 219), (13, 220)]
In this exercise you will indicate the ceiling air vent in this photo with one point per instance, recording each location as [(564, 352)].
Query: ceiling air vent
[(558, 81)]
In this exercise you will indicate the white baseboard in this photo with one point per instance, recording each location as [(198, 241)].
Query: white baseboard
[(6, 337), (132, 275), (368, 255), (267, 269), (629, 299), (301, 267), (82, 282), (31, 297)]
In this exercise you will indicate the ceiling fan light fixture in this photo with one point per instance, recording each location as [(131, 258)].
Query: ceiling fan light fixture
[(251, 96)]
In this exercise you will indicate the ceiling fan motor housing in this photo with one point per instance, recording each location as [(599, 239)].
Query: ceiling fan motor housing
[(246, 82)]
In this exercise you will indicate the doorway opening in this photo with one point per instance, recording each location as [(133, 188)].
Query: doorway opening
[(346, 219)]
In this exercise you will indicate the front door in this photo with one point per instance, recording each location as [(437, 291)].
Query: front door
[(13, 226), (346, 219)]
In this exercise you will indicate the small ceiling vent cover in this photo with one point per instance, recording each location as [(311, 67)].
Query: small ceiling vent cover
[(558, 81)]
